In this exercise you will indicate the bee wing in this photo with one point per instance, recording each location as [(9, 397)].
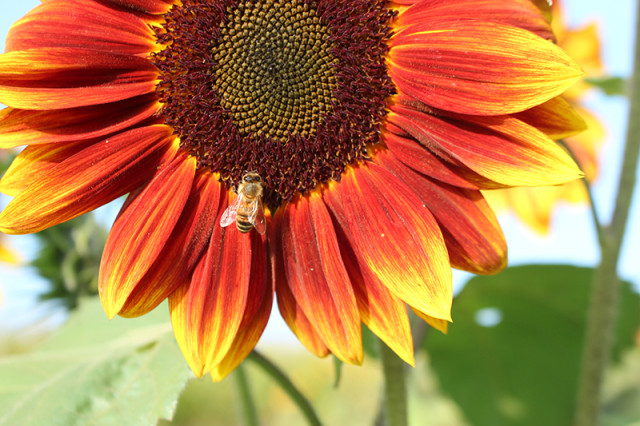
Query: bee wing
[(257, 217), (230, 214)]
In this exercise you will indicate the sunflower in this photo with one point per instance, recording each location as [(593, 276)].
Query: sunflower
[(371, 125), (534, 206)]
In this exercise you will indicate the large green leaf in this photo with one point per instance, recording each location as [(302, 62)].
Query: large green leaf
[(513, 353), (96, 371)]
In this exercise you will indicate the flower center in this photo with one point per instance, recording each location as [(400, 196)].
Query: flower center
[(275, 72), (294, 90)]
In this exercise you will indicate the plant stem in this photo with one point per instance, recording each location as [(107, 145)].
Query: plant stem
[(285, 383), (587, 186), (395, 391), (248, 404), (604, 293)]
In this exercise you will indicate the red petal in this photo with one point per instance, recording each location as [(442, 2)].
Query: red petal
[(289, 308), (24, 127), (34, 162), (394, 235), (139, 234), (155, 7), (190, 238), (94, 176), (257, 312), (207, 313), (317, 277), (58, 78), (518, 13), (479, 67), (471, 231), (84, 24), (503, 149)]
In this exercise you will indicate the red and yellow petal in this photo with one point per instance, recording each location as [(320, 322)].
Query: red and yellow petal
[(437, 323), (478, 68), (32, 127), (58, 78), (289, 309), (381, 311), (141, 231), (503, 149), (395, 236), (81, 24), (207, 312), (470, 229), (317, 276), (256, 314), (92, 177), (556, 118), (33, 162), (439, 166), (517, 13), (178, 258)]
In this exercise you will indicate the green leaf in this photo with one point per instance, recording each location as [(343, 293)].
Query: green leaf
[(612, 86), (96, 371), (513, 353)]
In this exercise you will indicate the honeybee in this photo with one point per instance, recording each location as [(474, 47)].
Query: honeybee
[(246, 210)]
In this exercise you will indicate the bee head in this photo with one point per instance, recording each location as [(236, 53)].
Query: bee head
[(251, 177)]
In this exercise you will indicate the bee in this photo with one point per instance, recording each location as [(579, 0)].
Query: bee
[(246, 210)]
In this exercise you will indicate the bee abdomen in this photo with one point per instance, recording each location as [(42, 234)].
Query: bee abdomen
[(243, 226)]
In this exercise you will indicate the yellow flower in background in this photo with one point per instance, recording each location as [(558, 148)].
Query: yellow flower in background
[(7, 255), (367, 128), (535, 206)]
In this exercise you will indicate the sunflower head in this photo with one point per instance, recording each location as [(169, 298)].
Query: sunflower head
[(373, 126)]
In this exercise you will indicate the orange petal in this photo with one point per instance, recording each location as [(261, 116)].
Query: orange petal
[(81, 23), (94, 176), (289, 308), (317, 277), (24, 127), (479, 67), (58, 78), (207, 312), (556, 118), (140, 233), (382, 312), (189, 240), (257, 312), (471, 231), (503, 149), (394, 235), (517, 13), (33, 162)]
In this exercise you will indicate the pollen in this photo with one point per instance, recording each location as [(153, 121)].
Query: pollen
[(294, 90)]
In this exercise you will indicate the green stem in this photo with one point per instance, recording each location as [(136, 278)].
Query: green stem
[(248, 404), (395, 391), (285, 383), (604, 294), (594, 211)]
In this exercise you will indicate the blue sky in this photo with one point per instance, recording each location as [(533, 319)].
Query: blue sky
[(572, 239)]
